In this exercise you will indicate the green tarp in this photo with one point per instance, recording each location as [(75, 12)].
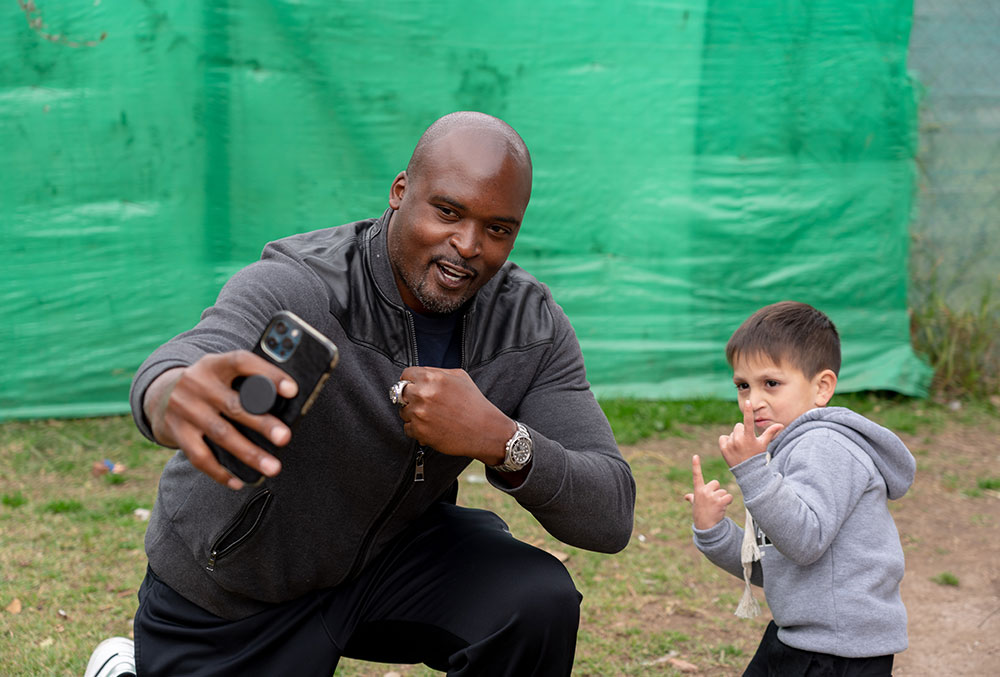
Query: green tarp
[(693, 161)]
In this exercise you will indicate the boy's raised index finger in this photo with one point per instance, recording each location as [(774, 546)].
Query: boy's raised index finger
[(748, 426), (699, 481)]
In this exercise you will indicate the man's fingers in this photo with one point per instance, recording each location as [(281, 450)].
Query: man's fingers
[(225, 400), (689, 498), (201, 457), (227, 436), (699, 481)]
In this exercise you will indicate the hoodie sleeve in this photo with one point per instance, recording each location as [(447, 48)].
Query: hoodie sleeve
[(802, 509), (721, 545)]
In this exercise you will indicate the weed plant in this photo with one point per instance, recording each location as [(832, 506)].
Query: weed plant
[(962, 344)]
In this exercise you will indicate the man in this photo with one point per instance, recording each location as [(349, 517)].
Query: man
[(353, 545)]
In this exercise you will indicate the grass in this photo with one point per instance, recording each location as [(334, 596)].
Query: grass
[(946, 578), (71, 547)]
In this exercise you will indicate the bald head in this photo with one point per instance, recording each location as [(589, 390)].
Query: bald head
[(476, 128)]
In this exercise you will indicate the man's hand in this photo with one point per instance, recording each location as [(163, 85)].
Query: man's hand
[(445, 410), (185, 403), (709, 501), (743, 443)]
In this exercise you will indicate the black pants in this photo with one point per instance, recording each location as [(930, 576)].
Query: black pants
[(456, 591), (776, 659)]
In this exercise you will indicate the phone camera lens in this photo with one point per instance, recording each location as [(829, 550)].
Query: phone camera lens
[(272, 342), (287, 343), (280, 328)]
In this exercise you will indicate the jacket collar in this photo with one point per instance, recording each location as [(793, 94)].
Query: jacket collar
[(379, 266)]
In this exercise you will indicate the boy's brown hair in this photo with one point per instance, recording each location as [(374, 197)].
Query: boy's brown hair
[(788, 332)]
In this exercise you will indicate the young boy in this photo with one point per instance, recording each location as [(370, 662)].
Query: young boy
[(819, 535)]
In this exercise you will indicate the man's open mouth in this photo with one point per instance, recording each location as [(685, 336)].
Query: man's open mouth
[(453, 275)]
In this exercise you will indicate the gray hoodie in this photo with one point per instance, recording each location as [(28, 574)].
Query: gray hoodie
[(832, 562)]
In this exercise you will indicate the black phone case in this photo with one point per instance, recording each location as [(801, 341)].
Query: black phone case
[(309, 361)]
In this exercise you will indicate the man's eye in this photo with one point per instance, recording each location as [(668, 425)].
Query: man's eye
[(499, 230), (446, 211)]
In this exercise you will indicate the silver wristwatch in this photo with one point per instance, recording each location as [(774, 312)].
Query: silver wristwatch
[(519, 448)]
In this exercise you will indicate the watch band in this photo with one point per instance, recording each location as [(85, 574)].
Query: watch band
[(518, 451)]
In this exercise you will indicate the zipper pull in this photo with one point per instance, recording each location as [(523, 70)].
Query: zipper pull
[(211, 561), (418, 468)]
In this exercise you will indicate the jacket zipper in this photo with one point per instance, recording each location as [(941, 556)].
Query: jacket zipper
[(216, 553), (418, 461), (418, 458), (418, 470)]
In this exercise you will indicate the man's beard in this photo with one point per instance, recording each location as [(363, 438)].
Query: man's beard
[(436, 303)]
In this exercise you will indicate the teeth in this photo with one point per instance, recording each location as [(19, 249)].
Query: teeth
[(451, 274)]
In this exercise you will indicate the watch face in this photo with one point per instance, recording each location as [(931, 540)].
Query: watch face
[(520, 451)]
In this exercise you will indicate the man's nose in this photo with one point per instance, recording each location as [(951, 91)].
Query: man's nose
[(466, 240)]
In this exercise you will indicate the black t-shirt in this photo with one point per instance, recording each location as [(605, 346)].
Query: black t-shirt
[(438, 344)]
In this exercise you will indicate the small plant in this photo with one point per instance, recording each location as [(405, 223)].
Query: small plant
[(946, 578), (58, 507), (989, 484), (15, 500)]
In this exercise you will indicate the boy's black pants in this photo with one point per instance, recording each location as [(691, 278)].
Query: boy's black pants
[(774, 658), (455, 591)]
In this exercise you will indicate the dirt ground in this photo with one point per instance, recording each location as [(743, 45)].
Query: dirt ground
[(947, 526)]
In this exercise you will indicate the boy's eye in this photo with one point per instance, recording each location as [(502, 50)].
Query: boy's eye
[(742, 386), (771, 384)]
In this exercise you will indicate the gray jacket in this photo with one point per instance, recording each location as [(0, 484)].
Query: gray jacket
[(347, 484), (833, 564)]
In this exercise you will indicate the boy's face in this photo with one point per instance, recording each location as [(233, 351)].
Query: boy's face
[(779, 393)]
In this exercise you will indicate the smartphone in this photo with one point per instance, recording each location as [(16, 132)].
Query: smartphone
[(305, 355)]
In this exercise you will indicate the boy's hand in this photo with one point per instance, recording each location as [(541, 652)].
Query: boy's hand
[(743, 443), (708, 501)]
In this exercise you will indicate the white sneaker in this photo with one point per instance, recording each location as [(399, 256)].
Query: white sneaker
[(114, 657)]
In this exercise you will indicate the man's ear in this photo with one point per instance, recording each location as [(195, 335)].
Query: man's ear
[(396, 190), (825, 383)]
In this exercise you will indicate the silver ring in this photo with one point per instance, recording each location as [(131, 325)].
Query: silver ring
[(396, 392)]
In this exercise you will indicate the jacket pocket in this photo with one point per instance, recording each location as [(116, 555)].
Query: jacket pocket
[(241, 528)]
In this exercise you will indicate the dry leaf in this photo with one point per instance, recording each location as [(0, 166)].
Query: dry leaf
[(48, 641), (15, 606), (683, 666)]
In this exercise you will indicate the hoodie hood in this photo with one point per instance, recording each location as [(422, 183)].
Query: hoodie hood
[(893, 460)]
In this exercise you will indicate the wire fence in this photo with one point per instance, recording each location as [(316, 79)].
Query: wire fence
[(954, 52), (955, 253)]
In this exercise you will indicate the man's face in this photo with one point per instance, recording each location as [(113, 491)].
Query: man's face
[(778, 393), (455, 221)]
